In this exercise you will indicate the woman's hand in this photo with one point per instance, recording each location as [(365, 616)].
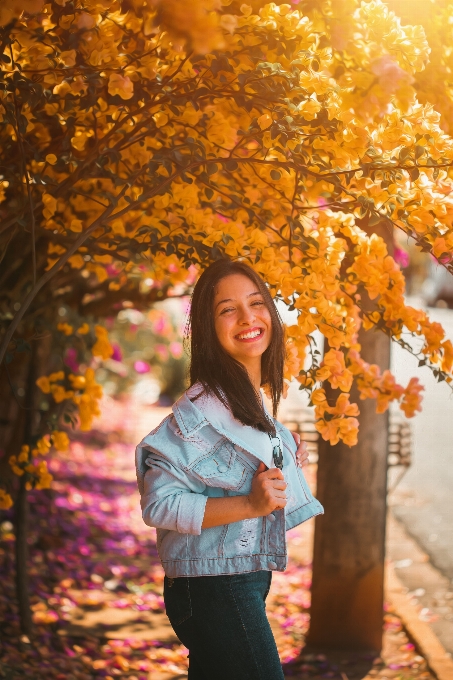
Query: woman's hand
[(268, 491), (302, 451)]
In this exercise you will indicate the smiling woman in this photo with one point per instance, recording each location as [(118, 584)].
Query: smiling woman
[(220, 481)]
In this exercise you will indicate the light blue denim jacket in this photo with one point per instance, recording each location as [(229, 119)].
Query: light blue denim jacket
[(186, 460)]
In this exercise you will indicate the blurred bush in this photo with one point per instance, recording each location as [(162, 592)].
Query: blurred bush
[(148, 359)]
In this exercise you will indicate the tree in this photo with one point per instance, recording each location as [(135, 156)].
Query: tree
[(349, 547), (140, 140)]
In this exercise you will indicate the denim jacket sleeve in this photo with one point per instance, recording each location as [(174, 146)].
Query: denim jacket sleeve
[(170, 498)]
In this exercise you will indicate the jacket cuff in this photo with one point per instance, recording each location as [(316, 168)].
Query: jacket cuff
[(191, 513)]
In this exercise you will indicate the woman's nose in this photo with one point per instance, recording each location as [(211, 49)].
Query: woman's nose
[(246, 315)]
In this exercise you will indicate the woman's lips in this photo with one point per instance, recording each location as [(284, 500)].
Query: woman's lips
[(251, 335)]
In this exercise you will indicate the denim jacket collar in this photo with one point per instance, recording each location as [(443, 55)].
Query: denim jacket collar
[(190, 420)]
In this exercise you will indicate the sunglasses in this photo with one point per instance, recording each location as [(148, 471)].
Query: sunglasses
[(277, 454)]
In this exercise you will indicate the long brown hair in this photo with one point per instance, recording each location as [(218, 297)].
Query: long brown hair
[(215, 369)]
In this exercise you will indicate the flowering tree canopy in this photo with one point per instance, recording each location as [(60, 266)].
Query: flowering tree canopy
[(142, 140)]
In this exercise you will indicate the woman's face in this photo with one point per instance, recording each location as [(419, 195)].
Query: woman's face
[(242, 321)]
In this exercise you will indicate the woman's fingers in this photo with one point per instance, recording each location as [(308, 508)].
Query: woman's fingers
[(302, 454), (261, 468), (276, 484), (274, 473)]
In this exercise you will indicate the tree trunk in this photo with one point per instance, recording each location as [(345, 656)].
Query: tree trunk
[(22, 580), (349, 544), (22, 504)]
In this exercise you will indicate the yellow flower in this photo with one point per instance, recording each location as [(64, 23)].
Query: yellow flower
[(45, 482), (77, 381), (160, 118), (121, 85), (60, 394), (264, 121), (76, 262), (15, 468), (6, 501), (44, 476), (65, 328), (102, 348), (24, 454), (318, 397), (43, 445), (54, 377), (84, 329), (60, 440), (44, 384)]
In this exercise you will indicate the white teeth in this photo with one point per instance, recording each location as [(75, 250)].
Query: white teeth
[(247, 336)]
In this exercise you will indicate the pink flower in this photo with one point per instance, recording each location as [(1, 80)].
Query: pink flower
[(71, 359), (117, 353), (112, 270), (401, 257), (160, 325), (176, 350), (142, 367)]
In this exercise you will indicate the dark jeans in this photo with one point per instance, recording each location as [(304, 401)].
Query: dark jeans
[(223, 623)]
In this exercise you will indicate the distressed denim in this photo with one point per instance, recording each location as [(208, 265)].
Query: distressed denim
[(223, 623), (187, 460)]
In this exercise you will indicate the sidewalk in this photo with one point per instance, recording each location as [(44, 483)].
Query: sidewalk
[(429, 590)]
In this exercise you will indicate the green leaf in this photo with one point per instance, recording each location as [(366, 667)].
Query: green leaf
[(414, 173), (275, 174), (212, 168), (374, 219)]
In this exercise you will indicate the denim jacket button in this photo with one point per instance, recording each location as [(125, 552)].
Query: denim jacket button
[(272, 565), (222, 468), (271, 517)]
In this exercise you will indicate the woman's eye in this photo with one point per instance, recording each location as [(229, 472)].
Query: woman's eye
[(258, 302), (227, 309)]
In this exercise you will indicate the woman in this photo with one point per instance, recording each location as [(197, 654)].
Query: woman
[(219, 479)]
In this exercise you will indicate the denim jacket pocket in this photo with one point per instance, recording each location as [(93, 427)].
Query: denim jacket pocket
[(222, 469)]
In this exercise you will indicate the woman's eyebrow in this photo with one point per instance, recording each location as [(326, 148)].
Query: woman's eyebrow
[(257, 292)]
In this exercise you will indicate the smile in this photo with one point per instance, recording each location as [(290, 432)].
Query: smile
[(252, 334)]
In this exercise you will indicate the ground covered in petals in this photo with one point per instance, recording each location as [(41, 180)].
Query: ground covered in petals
[(96, 587)]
